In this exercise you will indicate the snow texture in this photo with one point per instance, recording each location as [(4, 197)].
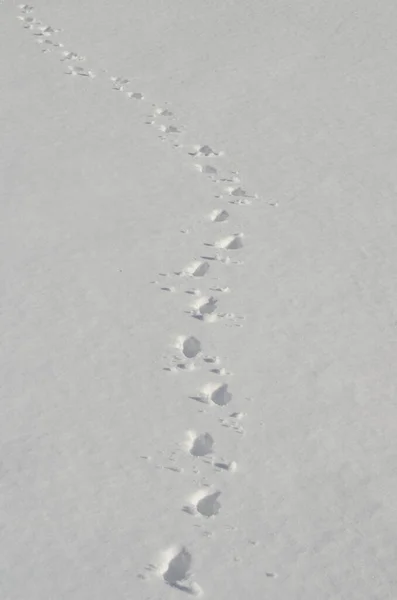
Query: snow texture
[(198, 323)]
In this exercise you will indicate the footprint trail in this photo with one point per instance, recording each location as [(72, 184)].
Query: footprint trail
[(205, 161)]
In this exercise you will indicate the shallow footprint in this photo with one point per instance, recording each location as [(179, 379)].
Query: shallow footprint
[(47, 30), (66, 55), (231, 242), (226, 466), (163, 112), (135, 95), (196, 269), (219, 216), (238, 191), (205, 151), (207, 169), (25, 8), (169, 129), (119, 83), (79, 71)]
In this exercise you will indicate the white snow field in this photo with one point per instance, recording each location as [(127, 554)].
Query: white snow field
[(199, 300)]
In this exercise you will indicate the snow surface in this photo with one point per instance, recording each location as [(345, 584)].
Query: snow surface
[(199, 289)]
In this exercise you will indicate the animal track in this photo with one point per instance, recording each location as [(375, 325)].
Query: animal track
[(163, 112), (135, 95), (169, 129), (71, 56), (209, 505), (224, 466), (200, 445), (219, 216), (176, 571), (29, 21), (46, 42), (241, 201), (217, 393), (224, 290), (47, 30), (231, 242), (25, 8), (207, 170), (222, 371), (205, 504), (204, 151), (80, 71), (204, 306), (177, 566), (196, 269), (213, 360), (119, 83), (238, 192), (190, 346)]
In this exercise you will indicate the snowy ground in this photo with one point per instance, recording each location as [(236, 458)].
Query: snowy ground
[(198, 323)]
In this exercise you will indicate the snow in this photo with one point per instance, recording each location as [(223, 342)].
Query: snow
[(198, 323)]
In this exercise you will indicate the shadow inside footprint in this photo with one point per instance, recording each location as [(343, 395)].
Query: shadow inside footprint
[(209, 505), (178, 570), (191, 347), (202, 445)]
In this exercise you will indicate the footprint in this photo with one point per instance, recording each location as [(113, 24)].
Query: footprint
[(30, 22), (217, 393), (27, 19), (224, 290), (186, 367), (241, 201), (207, 169), (204, 151), (169, 129), (231, 242), (233, 178), (233, 424), (178, 567), (47, 30), (163, 112), (205, 305), (222, 371), (136, 95), (219, 216), (176, 571), (226, 466), (204, 503), (190, 346), (25, 8), (47, 42), (237, 191), (71, 56), (119, 83), (200, 445), (80, 71), (209, 505), (196, 269), (212, 360)]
